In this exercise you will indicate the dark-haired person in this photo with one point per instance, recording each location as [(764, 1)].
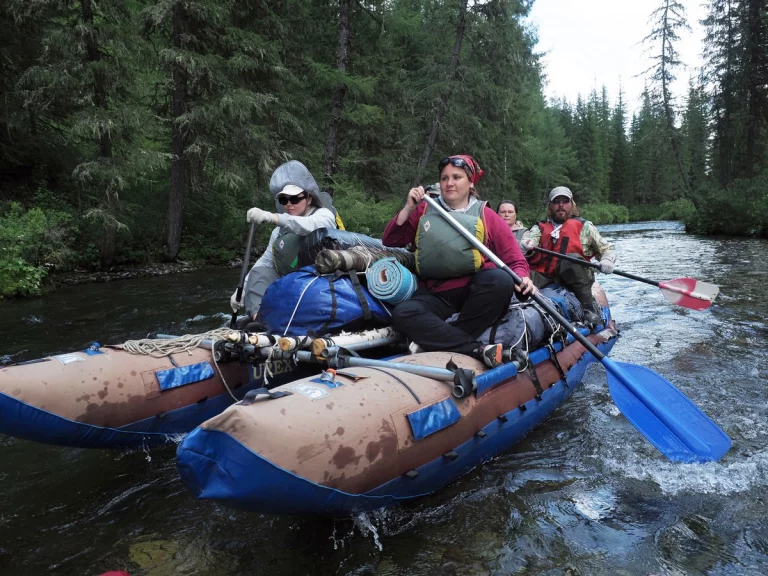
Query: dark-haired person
[(454, 277), (301, 208), (563, 231), (508, 211)]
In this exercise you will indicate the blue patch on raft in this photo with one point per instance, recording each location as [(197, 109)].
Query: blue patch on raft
[(215, 466), (433, 418), (175, 377)]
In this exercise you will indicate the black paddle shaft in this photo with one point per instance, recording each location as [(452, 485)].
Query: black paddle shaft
[(592, 265), (500, 264), (244, 271)]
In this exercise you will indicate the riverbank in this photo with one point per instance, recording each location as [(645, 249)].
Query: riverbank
[(130, 272)]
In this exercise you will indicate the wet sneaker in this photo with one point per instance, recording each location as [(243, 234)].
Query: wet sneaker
[(492, 355)]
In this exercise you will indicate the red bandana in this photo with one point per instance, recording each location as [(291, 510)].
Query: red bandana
[(470, 166)]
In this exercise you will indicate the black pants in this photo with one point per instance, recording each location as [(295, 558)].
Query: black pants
[(576, 278), (479, 304)]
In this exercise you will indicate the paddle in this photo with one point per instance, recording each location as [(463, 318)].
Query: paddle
[(244, 271), (663, 414), (687, 292)]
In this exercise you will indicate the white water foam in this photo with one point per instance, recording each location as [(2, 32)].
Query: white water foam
[(364, 524), (711, 478)]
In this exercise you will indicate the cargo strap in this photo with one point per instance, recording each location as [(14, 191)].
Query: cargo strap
[(553, 357), (535, 380), (355, 281), (360, 295), (253, 395)]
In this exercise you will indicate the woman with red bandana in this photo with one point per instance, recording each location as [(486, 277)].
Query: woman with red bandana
[(454, 276)]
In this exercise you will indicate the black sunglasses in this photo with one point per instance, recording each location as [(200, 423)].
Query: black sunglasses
[(458, 162), (560, 200), (292, 199)]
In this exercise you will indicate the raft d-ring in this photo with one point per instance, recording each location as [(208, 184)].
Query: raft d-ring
[(328, 375)]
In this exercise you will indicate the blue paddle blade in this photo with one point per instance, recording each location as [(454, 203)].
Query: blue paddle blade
[(664, 415)]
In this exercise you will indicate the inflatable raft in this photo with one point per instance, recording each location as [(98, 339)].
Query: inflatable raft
[(109, 398), (370, 437)]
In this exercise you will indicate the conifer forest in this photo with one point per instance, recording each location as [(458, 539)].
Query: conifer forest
[(138, 131)]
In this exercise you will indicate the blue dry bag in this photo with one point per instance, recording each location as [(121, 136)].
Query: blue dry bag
[(306, 302)]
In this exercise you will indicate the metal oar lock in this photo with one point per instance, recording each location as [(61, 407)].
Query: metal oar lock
[(463, 380)]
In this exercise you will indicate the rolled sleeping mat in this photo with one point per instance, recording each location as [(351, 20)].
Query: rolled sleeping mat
[(358, 259), (390, 281)]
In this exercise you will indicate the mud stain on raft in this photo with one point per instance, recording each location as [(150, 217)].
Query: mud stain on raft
[(111, 413), (345, 456), (385, 446)]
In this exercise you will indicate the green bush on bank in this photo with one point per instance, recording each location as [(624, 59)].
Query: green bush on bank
[(644, 213), (680, 209), (742, 210), (31, 242), (605, 213)]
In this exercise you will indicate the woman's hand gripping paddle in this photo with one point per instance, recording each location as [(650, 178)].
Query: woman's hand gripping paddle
[(664, 415)]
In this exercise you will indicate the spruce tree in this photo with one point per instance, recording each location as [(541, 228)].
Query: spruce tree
[(667, 21)]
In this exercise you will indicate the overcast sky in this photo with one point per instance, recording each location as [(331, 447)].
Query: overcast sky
[(589, 43)]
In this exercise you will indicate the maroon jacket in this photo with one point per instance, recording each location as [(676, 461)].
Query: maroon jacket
[(499, 238)]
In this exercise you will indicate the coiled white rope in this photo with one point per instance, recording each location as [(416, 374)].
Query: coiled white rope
[(159, 347)]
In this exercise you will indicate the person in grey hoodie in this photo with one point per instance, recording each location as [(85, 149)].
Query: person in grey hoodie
[(301, 207)]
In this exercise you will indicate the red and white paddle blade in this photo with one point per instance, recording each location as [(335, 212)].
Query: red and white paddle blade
[(689, 292)]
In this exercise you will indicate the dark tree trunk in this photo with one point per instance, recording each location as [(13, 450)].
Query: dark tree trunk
[(177, 191), (725, 141), (756, 78), (108, 241), (442, 103), (337, 106)]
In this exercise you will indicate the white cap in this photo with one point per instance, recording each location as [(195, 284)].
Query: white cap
[(291, 190)]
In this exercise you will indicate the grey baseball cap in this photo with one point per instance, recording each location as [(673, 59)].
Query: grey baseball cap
[(560, 191)]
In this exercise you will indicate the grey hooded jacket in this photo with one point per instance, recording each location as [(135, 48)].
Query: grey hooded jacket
[(322, 216)]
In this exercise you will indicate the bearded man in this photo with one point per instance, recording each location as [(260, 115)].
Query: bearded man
[(565, 232)]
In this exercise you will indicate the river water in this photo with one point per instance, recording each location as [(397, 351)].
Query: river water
[(583, 494)]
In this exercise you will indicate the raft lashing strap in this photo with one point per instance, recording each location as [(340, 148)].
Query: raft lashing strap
[(535, 379), (355, 282), (390, 281), (253, 395), (360, 295), (553, 357)]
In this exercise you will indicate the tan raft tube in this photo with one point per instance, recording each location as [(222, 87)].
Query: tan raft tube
[(358, 436), (115, 388)]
